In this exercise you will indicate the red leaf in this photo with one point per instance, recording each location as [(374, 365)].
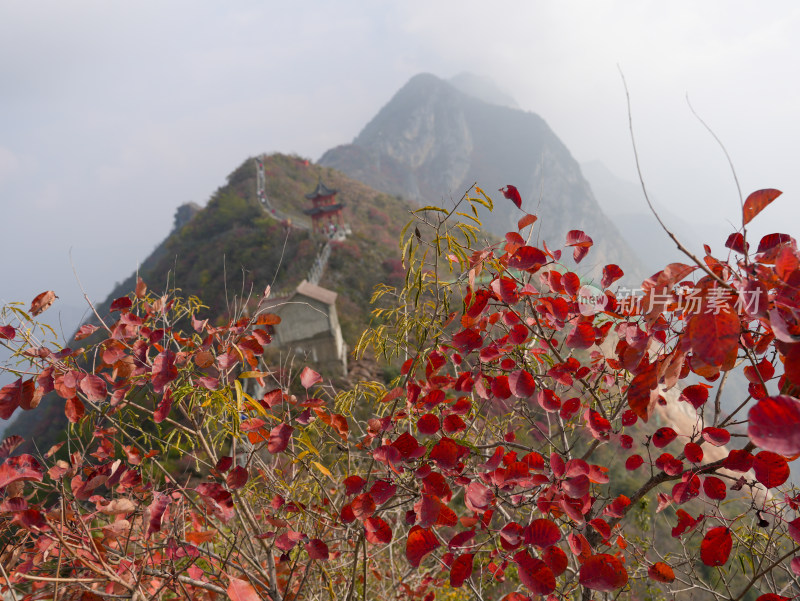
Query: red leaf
[(500, 387), (576, 487), (288, 540), (94, 387), (714, 488), (716, 436), (419, 543), (581, 242), (535, 574), (663, 436), (217, 499), (164, 371), (252, 424), (478, 497), (579, 546), (339, 423), (279, 438), (268, 319), (526, 221), (687, 489), (42, 302), (453, 424), (467, 340), (642, 395), (770, 468), (738, 461), (756, 203), (527, 258), (21, 467), (381, 491), (506, 289), (581, 336), (611, 273), (85, 331), (409, 448), (461, 570), (716, 546), (237, 477), (542, 533), (353, 484), (555, 559), (548, 400), (715, 337), (7, 333), (693, 452), (445, 453), (669, 464), (123, 303), (363, 506), (317, 549), (309, 377), (164, 406), (477, 302), (512, 194), (9, 444), (774, 425), (435, 484), (601, 526), (685, 523), (696, 395), (633, 462), (511, 536), (765, 370), (603, 572), (18, 394), (156, 511), (522, 383), (240, 590), (224, 464), (377, 531), (74, 409), (661, 572), (461, 539), (141, 288), (771, 241), (736, 243), (617, 507)]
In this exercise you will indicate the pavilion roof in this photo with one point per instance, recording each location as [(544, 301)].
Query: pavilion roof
[(324, 209), (321, 190)]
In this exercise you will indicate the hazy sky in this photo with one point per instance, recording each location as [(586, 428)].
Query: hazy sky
[(112, 114)]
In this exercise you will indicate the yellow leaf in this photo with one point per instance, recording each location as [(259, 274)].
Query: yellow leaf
[(306, 442), (323, 469), (253, 374), (239, 393)]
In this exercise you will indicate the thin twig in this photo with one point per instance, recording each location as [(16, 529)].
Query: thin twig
[(669, 233)]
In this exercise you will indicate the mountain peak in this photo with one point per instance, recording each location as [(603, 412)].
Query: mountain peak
[(483, 88), (431, 142)]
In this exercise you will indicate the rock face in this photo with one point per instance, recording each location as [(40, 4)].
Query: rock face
[(431, 142)]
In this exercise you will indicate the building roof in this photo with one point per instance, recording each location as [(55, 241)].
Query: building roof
[(323, 209), (317, 292), (321, 190)]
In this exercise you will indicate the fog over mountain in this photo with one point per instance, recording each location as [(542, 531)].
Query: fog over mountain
[(432, 141), (624, 203)]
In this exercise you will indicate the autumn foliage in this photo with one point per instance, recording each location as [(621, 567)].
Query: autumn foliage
[(515, 457)]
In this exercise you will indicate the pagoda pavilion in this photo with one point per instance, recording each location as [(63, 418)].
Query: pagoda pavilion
[(326, 214)]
